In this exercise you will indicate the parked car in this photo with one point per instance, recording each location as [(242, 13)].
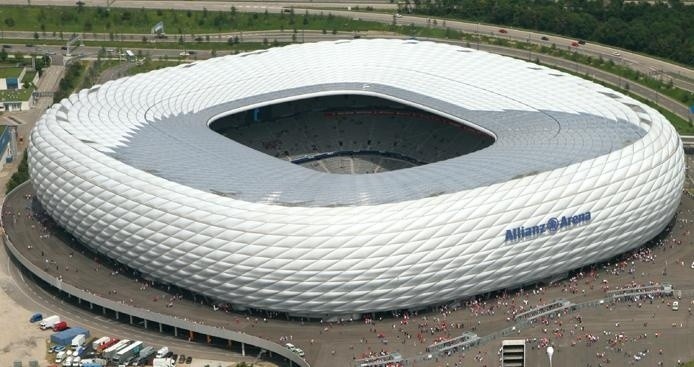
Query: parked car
[(59, 348), (503, 30), (182, 358), (35, 318), (581, 42), (574, 44), (189, 359), (6, 46), (544, 38)]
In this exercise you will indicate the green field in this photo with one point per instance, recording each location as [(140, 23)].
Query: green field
[(118, 20), (15, 95), (10, 72), (28, 76)]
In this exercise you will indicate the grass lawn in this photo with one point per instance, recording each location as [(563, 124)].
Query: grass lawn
[(11, 72), (15, 95), (29, 76), (70, 19), (151, 65)]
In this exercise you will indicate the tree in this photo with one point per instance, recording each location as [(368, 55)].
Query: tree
[(3, 55), (9, 22), (36, 35)]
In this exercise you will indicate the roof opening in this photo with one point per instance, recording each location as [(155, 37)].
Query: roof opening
[(351, 134)]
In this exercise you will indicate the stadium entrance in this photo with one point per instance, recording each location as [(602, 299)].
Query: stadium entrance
[(351, 134)]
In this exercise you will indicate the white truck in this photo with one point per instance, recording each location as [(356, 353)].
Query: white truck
[(49, 321), (60, 356), (99, 342), (78, 341), (163, 362), (127, 353), (162, 352), (99, 361), (111, 351)]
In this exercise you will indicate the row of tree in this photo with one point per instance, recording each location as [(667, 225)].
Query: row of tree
[(661, 28), (69, 82)]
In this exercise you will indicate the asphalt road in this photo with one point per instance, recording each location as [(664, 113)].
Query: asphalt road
[(638, 89), (682, 76)]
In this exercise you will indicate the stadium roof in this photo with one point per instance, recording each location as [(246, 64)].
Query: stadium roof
[(541, 119)]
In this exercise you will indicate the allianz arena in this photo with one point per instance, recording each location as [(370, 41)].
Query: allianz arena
[(338, 178)]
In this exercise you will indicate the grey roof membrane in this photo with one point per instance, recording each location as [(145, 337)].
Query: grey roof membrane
[(184, 149)]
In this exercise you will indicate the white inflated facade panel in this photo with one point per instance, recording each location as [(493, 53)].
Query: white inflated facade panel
[(398, 253)]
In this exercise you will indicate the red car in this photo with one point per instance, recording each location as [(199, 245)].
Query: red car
[(60, 326), (574, 44), (503, 30)]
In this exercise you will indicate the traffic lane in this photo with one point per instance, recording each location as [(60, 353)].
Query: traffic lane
[(639, 62), (219, 5), (636, 88), (665, 101), (643, 62)]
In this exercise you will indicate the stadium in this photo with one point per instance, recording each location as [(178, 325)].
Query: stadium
[(356, 176)]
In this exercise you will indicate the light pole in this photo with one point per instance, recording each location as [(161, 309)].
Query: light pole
[(550, 352)]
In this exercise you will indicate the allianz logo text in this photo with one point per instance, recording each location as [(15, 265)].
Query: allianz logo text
[(553, 225)]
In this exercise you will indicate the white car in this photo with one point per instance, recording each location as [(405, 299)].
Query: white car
[(692, 265), (67, 362), (184, 53), (59, 357)]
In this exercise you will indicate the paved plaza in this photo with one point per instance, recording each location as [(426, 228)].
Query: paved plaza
[(608, 332)]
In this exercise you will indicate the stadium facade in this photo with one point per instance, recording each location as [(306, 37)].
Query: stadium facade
[(576, 173)]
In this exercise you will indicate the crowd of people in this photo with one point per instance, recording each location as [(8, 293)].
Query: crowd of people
[(383, 334)]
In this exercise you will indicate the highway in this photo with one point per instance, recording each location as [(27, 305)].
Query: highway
[(313, 36), (683, 77)]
